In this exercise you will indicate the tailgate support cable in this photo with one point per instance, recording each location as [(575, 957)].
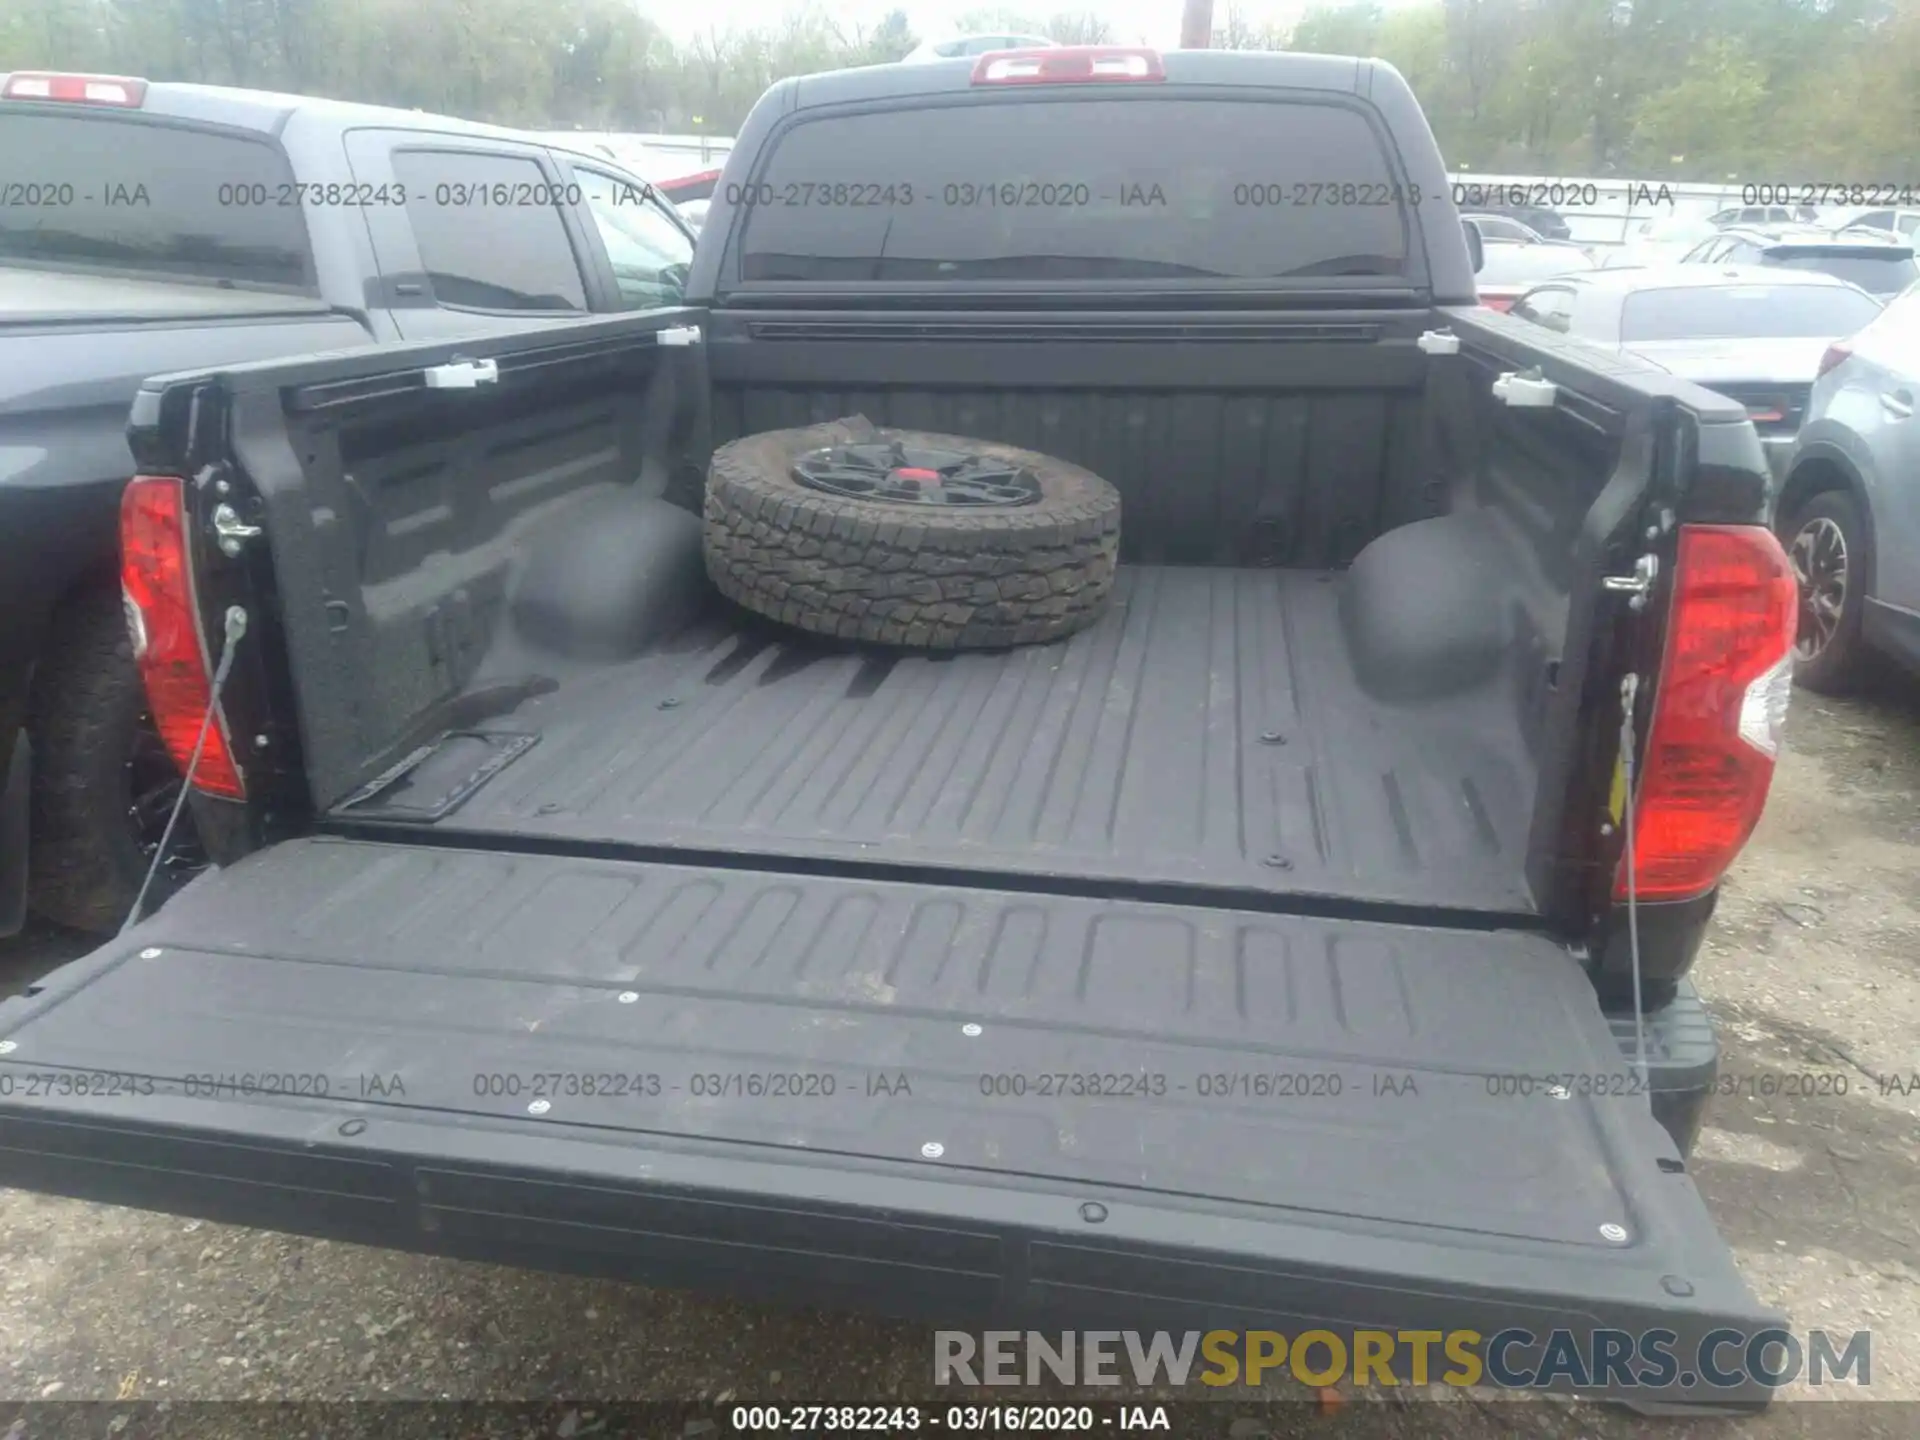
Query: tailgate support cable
[(236, 627), (1629, 688)]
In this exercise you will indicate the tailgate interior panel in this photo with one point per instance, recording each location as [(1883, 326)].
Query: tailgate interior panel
[(1227, 1080)]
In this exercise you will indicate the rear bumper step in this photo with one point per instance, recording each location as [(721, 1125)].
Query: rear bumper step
[(173, 1070)]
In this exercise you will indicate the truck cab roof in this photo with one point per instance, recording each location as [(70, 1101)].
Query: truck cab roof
[(266, 111)]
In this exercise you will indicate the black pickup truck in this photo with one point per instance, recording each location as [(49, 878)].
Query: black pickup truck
[(1262, 954), (152, 227)]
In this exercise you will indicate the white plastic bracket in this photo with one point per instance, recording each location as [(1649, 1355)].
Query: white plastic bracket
[(462, 374), (679, 335), (1439, 342), (1525, 391)]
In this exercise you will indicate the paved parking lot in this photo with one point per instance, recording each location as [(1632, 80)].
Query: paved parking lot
[(1814, 969)]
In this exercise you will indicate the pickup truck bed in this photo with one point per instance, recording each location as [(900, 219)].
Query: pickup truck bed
[(1248, 958), (427, 989), (1136, 753)]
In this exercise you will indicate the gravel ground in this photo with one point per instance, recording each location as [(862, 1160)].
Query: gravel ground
[(1813, 968)]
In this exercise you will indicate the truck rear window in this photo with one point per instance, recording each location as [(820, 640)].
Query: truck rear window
[(123, 194), (1145, 188)]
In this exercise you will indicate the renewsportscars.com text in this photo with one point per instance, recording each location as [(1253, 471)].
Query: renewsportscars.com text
[(1507, 1359)]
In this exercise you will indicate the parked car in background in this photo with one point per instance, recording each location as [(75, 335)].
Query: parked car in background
[(1761, 215), (1659, 240), (682, 168), (186, 227), (1904, 223), (1504, 229), (1874, 260), (1547, 223), (1849, 512), (1754, 335), (1507, 270)]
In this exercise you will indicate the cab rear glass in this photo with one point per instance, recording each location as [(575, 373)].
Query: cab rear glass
[(1135, 188), (122, 194)]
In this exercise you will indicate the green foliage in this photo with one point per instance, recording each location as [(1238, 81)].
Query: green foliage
[(592, 64), (1682, 89), (1069, 27)]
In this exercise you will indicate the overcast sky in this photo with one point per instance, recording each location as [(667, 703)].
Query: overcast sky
[(1150, 22)]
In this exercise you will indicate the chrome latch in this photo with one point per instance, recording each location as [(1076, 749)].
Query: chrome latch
[(1438, 342), (231, 531), (679, 335), (1639, 584), (461, 374)]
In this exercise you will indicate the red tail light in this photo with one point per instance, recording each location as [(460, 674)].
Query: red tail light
[(1502, 303), (1718, 712), (1836, 352), (122, 90), (157, 582), (1067, 65)]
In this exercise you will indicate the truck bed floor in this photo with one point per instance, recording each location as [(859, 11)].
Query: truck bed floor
[(1208, 731)]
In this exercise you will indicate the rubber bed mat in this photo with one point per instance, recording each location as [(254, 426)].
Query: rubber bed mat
[(1208, 730)]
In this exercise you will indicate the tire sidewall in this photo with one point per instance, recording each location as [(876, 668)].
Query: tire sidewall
[(900, 574)]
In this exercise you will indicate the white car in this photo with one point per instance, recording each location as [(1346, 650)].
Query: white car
[(1508, 269), (956, 46), (1903, 223), (1660, 240), (1755, 334)]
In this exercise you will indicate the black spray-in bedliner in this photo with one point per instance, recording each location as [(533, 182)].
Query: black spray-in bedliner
[(953, 1099), (1208, 731)]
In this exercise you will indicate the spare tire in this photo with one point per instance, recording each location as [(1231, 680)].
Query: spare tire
[(908, 538)]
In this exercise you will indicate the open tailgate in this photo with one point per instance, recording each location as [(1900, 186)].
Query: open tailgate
[(924, 1099)]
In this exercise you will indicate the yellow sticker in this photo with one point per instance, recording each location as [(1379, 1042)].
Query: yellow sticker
[(1617, 797)]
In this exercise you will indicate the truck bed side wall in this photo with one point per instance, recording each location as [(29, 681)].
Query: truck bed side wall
[(1477, 534)]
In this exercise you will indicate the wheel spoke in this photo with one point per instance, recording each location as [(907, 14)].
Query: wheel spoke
[(1818, 556), (895, 473)]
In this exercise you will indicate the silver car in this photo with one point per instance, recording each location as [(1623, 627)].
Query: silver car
[(1882, 267), (1755, 335), (1849, 511)]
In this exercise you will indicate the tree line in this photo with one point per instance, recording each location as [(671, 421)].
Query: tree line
[(1758, 90)]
